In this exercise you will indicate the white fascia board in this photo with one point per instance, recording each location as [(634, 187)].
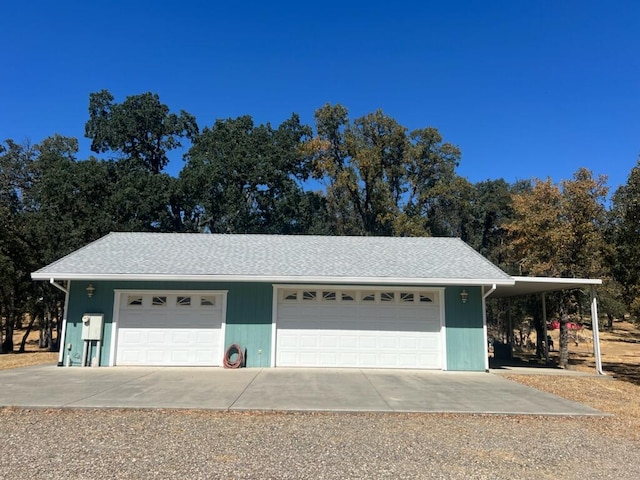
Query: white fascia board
[(561, 280), (275, 279)]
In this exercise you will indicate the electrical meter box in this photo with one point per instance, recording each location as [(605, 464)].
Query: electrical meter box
[(92, 326)]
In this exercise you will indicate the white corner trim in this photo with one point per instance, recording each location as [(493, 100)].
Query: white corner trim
[(274, 330)]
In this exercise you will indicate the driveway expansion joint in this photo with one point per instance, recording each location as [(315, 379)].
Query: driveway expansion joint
[(230, 407)]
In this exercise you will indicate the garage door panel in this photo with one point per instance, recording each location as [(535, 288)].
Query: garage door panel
[(131, 357), (208, 337), (387, 342), (346, 340), (345, 358), (409, 343), (287, 341), (180, 356), (367, 341), (154, 337), (328, 341), (130, 336), (308, 341)]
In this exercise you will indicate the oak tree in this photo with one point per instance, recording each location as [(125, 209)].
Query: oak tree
[(141, 128)]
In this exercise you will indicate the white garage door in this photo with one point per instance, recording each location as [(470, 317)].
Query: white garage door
[(170, 329), (359, 328)]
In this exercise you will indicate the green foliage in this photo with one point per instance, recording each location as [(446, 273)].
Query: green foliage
[(243, 178), (624, 232), (15, 254), (378, 178), (141, 128), (492, 209)]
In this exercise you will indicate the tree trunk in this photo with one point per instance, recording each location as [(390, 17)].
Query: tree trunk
[(609, 322), (26, 334), (7, 345), (49, 335), (539, 337), (46, 331)]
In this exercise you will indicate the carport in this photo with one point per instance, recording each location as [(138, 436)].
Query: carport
[(543, 285)]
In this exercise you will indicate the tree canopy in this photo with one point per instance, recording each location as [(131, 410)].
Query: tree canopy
[(380, 179), (365, 176), (140, 128)]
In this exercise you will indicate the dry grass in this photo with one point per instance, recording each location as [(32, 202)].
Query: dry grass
[(619, 398), (32, 356), (620, 350), (618, 393)]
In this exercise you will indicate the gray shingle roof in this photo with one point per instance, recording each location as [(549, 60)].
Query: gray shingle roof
[(276, 258)]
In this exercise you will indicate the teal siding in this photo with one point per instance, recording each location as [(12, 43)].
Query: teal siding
[(249, 309), (464, 326), (79, 304), (248, 320)]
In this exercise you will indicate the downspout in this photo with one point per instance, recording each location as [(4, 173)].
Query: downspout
[(63, 334), (484, 325), (595, 329)]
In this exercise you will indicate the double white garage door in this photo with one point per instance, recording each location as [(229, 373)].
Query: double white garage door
[(325, 327), (170, 329), (315, 327)]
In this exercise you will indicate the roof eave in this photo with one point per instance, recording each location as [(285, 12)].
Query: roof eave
[(274, 279)]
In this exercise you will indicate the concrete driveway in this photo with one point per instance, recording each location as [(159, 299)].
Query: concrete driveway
[(279, 389)]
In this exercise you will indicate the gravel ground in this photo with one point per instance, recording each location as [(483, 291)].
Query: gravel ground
[(74, 444)]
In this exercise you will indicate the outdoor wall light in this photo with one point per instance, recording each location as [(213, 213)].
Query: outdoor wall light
[(464, 296), (90, 290)]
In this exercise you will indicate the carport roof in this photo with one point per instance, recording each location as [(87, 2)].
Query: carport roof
[(535, 285), (277, 258)]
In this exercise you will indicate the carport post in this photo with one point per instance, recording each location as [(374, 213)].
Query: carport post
[(595, 329), (544, 327)]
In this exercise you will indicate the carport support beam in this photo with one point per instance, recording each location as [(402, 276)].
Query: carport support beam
[(595, 329), (544, 328)]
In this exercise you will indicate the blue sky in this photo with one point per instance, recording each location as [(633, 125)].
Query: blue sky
[(526, 89)]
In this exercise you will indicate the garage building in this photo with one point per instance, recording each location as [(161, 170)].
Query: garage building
[(289, 301)]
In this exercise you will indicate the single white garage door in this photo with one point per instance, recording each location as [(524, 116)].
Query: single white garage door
[(170, 329), (359, 328)]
